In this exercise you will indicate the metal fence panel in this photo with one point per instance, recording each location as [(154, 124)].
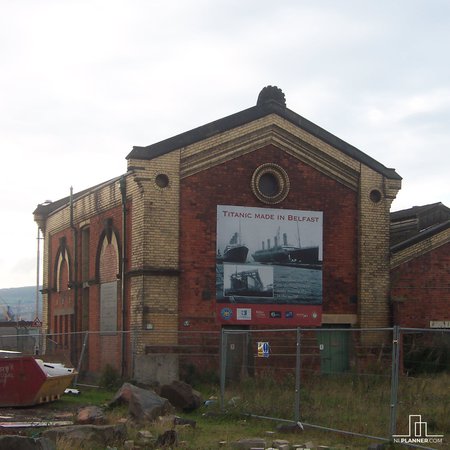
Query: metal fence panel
[(357, 381), (380, 383)]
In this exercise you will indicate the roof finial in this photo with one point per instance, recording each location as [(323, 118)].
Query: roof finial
[(271, 94)]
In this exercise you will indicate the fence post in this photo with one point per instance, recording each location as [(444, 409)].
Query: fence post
[(394, 378), (223, 368), (297, 377), (133, 335), (75, 382), (37, 343)]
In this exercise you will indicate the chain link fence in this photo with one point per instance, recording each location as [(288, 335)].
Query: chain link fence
[(380, 383)]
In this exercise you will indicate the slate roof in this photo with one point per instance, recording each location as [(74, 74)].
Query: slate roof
[(270, 101), (416, 211), (271, 105), (424, 234), (412, 225)]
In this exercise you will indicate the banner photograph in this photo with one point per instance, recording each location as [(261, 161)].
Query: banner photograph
[(270, 261)]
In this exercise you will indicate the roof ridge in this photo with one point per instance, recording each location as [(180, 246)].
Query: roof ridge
[(262, 109)]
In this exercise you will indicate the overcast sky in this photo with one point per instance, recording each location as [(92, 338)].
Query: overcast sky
[(82, 81)]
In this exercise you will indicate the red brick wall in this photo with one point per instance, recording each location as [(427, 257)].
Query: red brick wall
[(96, 226), (62, 301), (420, 289), (230, 183), (62, 308)]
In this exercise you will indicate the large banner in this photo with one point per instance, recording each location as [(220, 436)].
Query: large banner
[(269, 266)]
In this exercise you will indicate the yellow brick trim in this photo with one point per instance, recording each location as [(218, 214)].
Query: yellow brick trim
[(94, 202), (373, 254), (155, 244), (270, 130)]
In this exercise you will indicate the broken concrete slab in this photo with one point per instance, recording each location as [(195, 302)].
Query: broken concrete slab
[(182, 421), (36, 424), (143, 404), (250, 444), (281, 444), (90, 415), (181, 395), (79, 435)]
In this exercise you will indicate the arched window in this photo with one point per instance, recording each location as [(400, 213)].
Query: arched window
[(109, 259), (62, 267), (108, 271)]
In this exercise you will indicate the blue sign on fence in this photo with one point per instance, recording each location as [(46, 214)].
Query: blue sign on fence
[(263, 349)]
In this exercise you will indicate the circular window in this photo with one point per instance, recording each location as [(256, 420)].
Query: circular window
[(270, 183), (375, 195), (162, 180)]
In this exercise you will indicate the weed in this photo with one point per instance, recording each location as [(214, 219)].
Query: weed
[(427, 354), (110, 378), (190, 374)]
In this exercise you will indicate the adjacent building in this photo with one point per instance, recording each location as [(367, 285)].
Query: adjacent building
[(420, 266)]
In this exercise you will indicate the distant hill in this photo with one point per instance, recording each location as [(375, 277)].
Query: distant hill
[(19, 304)]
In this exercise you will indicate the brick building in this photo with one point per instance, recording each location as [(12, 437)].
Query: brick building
[(257, 219), (420, 266)]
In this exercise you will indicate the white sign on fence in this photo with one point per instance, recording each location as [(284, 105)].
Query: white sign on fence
[(439, 323)]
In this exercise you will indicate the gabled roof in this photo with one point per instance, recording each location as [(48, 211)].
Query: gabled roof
[(417, 211), (270, 101), (412, 225), (422, 235)]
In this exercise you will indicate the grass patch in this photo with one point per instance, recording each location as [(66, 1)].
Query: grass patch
[(348, 402), (87, 396), (222, 431)]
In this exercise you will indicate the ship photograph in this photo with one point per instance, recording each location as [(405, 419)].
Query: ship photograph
[(248, 281), (235, 251), (255, 242), (281, 252)]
